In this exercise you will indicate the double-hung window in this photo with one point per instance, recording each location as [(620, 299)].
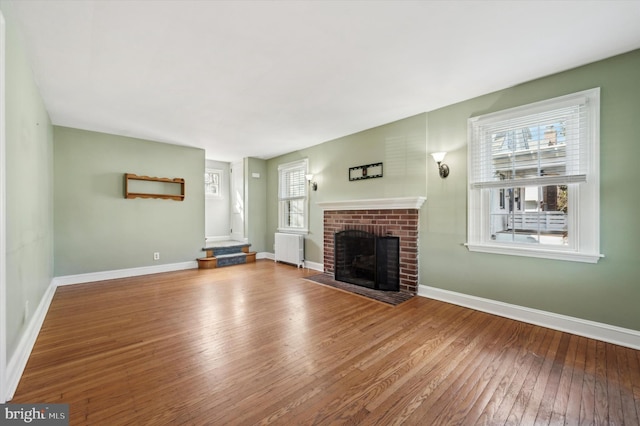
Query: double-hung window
[(534, 179), (292, 196)]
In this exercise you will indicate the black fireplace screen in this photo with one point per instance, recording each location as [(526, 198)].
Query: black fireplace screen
[(367, 260)]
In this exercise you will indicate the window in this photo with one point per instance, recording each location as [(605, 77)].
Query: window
[(292, 196), (212, 183), (534, 179)]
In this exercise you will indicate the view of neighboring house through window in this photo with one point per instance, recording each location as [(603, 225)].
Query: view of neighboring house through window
[(530, 214), (292, 196), (534, 179)]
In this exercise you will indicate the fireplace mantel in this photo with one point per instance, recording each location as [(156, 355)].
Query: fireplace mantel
[(374, 204)]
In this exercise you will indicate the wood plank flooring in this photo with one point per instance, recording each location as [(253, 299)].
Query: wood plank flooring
[(257, 344)]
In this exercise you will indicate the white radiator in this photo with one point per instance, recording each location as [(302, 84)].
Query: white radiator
[(290, 248)]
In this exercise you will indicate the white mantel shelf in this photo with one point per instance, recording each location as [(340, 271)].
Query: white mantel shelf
[(374, 204)]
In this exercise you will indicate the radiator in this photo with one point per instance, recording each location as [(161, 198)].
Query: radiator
[(289, 248)]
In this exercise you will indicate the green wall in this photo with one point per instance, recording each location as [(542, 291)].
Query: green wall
[(29, 190), (606, 292), (97, 229), (400, 146)]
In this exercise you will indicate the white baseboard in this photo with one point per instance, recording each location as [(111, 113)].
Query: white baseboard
[(18, 361), (581, 327), (314, 265), (307, 263), (123, 273), (265, 255)]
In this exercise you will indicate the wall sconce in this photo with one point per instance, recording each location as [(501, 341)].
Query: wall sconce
[(443, 168), (313, 185)]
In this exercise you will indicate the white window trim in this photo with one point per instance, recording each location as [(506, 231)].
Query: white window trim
[(584, 221), (281, 220)]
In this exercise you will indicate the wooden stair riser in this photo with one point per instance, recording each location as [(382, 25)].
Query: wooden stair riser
[(207, 263)]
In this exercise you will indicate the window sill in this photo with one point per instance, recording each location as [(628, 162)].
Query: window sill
[(539, 253), (293, 231)]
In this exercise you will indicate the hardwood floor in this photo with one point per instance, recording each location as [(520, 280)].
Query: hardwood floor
[(257, 344)]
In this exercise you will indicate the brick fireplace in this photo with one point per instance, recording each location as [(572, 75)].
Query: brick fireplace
[(390, 216)]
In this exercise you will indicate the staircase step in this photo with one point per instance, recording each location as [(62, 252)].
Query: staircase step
[(231, 259), (226, 254), (226, 249), (207, 263)]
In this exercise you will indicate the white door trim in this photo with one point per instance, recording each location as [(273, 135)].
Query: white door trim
[(237, 201)]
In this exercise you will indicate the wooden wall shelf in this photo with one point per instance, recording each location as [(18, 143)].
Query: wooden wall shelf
[(169, 196)]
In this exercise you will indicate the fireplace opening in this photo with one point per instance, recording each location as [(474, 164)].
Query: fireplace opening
[(367, 260)]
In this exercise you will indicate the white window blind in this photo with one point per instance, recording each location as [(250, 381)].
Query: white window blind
[(520, 148), (293, 183)]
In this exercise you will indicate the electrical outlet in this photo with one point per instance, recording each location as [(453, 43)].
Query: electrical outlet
[(156, 256)]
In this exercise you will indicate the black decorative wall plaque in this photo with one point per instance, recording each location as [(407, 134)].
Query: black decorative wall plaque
[(368, 171)]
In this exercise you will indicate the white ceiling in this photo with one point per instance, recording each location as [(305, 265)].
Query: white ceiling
[(262, 78)]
